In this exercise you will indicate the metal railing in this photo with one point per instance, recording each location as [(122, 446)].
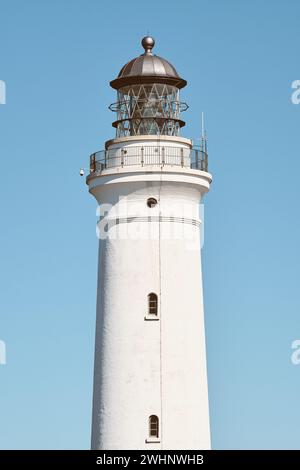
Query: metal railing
[(146, 155)]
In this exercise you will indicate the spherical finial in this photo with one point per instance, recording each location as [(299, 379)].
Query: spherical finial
[(148, 43)]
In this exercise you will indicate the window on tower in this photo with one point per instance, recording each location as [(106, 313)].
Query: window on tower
[(152, 304), (151, 202), (153, 426)]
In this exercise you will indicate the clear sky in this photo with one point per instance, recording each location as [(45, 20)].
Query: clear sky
[(240, 59)]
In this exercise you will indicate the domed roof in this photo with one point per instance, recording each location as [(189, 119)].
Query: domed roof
[(148, 68)]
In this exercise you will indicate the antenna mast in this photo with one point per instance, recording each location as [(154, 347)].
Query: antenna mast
[(203, 135)]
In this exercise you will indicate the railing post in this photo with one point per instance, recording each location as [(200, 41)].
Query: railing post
[(182, 160), (105, 158), (163, 156), (93, 163), (122, 157), (142, 156), (197, 159)]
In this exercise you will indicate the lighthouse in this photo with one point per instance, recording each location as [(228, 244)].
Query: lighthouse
[(150, 380)]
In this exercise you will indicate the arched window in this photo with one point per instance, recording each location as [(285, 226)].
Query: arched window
[(152, 304), (153, 426)]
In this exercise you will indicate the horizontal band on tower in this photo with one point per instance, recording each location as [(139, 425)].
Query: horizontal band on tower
[(158, 218)]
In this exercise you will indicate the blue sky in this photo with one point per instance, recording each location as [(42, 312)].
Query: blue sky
[(240, 59)]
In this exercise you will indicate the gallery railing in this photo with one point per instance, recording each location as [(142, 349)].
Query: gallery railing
[(146, 155)]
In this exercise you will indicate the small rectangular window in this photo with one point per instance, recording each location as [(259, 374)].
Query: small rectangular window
[(153, 426), (152, 304)]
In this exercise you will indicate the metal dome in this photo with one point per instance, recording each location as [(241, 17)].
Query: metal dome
[(148, 68)]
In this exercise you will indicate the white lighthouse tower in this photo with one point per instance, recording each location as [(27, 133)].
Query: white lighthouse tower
[(150, 382)]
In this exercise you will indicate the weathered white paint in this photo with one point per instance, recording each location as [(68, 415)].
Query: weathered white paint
[(150, 367)]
